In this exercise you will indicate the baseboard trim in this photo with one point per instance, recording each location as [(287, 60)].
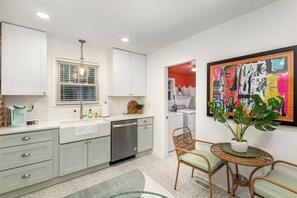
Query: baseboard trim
[(158, 154)]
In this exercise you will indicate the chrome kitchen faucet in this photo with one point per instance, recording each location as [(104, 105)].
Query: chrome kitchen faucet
[(81, 115)]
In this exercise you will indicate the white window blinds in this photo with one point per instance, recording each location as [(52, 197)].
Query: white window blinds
[(71, 90)]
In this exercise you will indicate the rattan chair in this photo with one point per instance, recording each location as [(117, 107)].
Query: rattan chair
[(275, 183), (200, 160)]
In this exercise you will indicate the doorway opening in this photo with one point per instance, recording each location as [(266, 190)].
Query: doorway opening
[(181, 99)]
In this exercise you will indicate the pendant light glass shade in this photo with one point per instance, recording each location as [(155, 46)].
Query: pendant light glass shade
[(82, 71)]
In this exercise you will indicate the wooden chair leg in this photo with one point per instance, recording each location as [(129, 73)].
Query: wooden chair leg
[(176, 175), (228, 182), (192, 172), (210, 185), (252, 189)]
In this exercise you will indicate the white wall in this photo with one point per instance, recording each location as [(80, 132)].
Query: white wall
[(267, 28)]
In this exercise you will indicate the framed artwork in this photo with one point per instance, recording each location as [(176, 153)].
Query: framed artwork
[(269, 74)]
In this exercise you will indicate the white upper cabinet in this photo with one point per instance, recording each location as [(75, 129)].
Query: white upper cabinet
[(137, 75), (23, 61), (121, 73), (126, 74)]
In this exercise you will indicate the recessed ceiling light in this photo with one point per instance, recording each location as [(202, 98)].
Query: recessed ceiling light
[(125, 39), (42, 15), (193, 68)]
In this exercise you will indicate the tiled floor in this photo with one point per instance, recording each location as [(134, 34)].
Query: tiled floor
[(160, 170)]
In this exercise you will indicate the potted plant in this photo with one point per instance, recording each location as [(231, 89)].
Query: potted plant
[(139, 108), (261, 115)]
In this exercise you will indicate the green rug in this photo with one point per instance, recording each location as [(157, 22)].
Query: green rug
[(131, 184)]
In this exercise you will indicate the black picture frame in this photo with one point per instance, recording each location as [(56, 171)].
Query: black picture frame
[(255, 55)]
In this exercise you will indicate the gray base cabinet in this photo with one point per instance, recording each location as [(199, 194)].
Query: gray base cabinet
[(73, 157), (145, 134), (80, 155), (16, 156), (25, 159), (98, 151), (25, 176)]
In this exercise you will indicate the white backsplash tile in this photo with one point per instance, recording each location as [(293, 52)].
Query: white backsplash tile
[(118, 105), (44, 108)]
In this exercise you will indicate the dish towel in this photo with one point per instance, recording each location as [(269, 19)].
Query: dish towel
[(86, 129)]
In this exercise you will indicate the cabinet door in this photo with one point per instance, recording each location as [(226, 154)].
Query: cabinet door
[(145, 138), (138, 80), (98, 151), (174, 121), (23, 61), (73, 157), (121, 73)]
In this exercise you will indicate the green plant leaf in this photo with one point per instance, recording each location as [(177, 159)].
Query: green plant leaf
[(246, 120), (268, 127), (259, 127), (221, 119), (257, 99), (236, 120), (273, 123)]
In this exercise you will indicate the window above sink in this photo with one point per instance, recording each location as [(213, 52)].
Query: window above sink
[(70, 89)]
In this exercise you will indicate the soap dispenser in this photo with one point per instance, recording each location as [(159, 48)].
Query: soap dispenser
[(74, 114), (90, 114)]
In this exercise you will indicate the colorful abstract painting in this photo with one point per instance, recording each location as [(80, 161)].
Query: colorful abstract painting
[(269, 74)]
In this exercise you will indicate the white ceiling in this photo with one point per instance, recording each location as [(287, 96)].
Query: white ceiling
[(150, 24)]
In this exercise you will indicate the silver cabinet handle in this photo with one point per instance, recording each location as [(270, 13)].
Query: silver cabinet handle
[(26, 138), (26, 176), (145, 121), (26, 154), (90, 142), (86, 142), (145, 127)]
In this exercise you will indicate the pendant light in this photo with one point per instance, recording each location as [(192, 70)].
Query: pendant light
[(82, 72)]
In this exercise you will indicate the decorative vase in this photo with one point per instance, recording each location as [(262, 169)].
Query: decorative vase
[(240, 147), (139, 111)]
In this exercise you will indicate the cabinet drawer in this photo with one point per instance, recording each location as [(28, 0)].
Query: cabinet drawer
[(25, 138), (25, 176), (144, 121), (23, 155)]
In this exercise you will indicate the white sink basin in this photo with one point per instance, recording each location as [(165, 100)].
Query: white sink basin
[(72, 131)]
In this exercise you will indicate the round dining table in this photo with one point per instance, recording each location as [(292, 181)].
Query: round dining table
[(258, 160)]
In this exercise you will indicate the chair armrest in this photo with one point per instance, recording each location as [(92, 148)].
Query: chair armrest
[(273, 182), (283, 162), (202, 141), (194, 153)]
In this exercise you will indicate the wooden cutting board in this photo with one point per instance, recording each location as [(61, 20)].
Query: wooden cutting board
[(132, 107)]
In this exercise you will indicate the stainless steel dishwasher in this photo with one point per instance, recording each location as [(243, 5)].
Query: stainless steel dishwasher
[(123, 139)]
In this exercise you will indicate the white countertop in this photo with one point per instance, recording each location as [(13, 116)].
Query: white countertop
[(57, 124), (127, 117), (28, 128)]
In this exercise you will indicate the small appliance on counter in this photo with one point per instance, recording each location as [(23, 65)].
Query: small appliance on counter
[(16, 116)]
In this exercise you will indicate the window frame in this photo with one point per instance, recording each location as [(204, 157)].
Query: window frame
[(59, 62)]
